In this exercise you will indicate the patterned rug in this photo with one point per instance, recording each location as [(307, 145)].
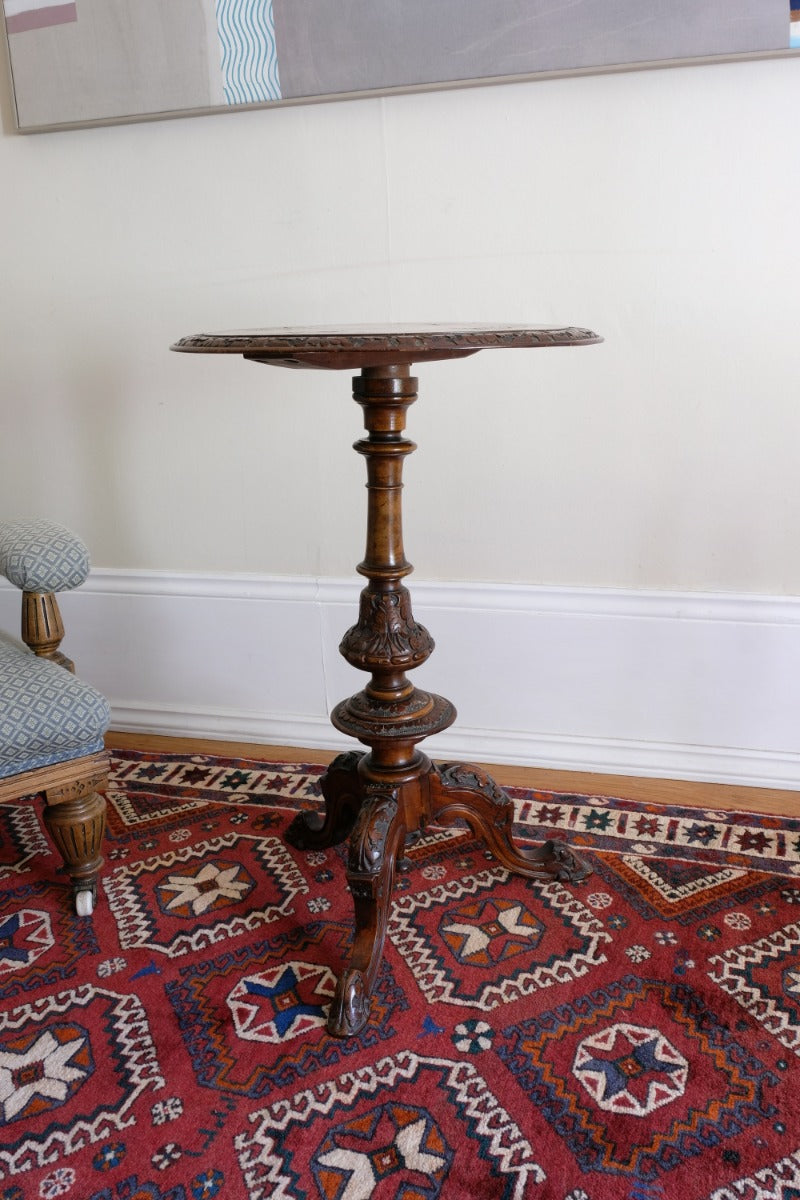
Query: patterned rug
[(632, 1038)]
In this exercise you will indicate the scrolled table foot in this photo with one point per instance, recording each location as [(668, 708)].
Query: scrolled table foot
[(459, 790), (378, 834), (564, 863), (340, 790), (349, 1011)]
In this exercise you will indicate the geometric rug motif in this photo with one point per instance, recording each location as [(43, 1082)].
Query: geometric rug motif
[(71, 1068), (137, 808), (749, 973), (676, 889), (747, 840), (663, 1071), (397, 1124), (41, 944), (21, 837), (655, 1056), (198, 778), (464, 946), (281, 1002), (779, 1182), (630, 1069), (25, 935), (743, 839), (178, 902), (277, 992)]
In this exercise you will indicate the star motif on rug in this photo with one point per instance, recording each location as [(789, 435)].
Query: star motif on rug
[(24, 937), (281, 1002), (629, 1069), (206, 888), (413, 1147), (40, 1076), (9, 953), (486, 932)]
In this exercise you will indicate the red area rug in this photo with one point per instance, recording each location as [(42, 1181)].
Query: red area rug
[(632, 1038)]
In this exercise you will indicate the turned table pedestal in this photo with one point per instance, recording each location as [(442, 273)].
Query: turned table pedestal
[(383, 799)]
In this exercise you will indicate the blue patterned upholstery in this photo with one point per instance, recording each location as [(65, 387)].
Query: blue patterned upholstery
[(41, 556), (46, 714), (52, 723)]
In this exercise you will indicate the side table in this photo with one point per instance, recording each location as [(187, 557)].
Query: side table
[(382, 800)]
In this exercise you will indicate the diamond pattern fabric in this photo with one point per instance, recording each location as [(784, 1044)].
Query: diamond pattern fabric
[(41, 556), (47, 715)]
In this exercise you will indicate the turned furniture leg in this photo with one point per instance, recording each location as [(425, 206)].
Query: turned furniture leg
[(42, 627), (75, 816)]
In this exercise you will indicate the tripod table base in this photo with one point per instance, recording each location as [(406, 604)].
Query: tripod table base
[(379, 817)]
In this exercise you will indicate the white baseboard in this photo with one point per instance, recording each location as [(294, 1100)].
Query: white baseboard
[(677, 685)]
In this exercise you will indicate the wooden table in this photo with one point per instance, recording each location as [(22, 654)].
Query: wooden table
[(382, 800)]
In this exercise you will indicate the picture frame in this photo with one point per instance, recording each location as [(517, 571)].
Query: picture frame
[(89, 62)]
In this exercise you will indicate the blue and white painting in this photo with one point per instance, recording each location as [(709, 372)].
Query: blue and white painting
[(249, 54)]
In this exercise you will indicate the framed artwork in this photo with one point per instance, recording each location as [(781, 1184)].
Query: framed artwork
[(100, 61)]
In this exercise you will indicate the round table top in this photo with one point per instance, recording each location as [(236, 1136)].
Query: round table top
[(348, 347)]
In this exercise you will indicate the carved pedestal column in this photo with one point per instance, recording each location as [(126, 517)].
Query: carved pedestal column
[(377, 798), (381, 798), (390, 715)]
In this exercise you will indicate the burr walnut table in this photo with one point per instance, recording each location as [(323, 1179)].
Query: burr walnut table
[(385, 798)]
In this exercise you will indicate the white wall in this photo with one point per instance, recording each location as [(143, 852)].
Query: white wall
[(684, 686), (658, 207)]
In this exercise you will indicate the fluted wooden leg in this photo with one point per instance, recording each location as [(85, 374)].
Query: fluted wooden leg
[(75, 816), (42, 627)]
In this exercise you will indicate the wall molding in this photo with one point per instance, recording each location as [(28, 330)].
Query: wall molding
[(685, 685), (501, 597), (607, 756)]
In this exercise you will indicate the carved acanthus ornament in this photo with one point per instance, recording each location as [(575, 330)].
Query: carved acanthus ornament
[(472, 779), (368, 840), (386, 634)]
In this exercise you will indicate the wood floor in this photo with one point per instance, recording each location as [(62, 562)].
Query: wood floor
[(659, 791)]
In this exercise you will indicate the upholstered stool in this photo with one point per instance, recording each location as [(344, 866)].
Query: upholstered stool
[(52, 723)]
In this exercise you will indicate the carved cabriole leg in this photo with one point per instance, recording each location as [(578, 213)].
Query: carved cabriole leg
[(340, 788), (374, 845), (75, 816), (42, 627), (460, 790)]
